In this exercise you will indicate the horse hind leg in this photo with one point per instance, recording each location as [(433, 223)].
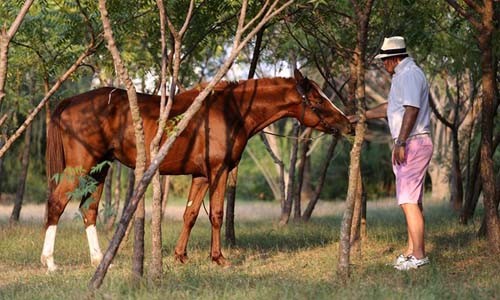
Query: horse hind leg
[(199, 187), (89, 207), (58, 199)]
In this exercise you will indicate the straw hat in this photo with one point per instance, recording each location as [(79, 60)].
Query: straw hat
[(392, 46)]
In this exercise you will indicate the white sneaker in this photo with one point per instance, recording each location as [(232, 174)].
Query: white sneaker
[(412, 263), (400, 259)]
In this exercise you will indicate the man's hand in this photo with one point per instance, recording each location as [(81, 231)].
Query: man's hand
[(353, 119), (399, 154)]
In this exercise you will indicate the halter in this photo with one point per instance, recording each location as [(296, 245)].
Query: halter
[(307, 103)]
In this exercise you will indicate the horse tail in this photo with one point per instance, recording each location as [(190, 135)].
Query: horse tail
[(54, 154)]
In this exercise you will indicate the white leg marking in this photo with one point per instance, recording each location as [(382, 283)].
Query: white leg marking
[(47, 257), (95, 250)]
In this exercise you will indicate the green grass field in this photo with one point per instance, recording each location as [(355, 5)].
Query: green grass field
[(296, 262)]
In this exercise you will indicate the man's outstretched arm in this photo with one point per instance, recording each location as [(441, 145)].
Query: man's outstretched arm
[(377, 112)]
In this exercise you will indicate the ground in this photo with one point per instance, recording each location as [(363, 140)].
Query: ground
[(269, 262)]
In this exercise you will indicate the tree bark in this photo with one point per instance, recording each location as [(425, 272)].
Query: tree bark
[(230, 205), (108, 198), (488, 84), (233, 176), (355, 240), (121, 70), (362, 13), (306, 216), (287, 207), (25, 160), (306, 142), (164, 193), (116, 196)]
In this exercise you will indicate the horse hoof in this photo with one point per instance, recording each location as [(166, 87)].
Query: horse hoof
[(221, 261), (48, 261), (182, 258), (95, 261)]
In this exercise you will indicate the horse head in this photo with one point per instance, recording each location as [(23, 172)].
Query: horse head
[(317, 110)]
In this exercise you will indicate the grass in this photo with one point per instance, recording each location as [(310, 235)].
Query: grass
[(296, 262)]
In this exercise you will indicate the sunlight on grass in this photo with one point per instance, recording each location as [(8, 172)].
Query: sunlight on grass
[(295, 262)]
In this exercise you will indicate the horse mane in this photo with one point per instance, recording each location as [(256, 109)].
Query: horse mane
[(223, 84)]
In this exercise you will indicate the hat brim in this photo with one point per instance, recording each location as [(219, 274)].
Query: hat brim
[(382, 56)]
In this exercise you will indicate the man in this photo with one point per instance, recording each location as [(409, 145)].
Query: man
[(408, 115)]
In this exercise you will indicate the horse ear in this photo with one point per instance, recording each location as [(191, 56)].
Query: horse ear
[(298, 76)]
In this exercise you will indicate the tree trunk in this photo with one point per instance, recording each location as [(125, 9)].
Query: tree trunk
[(488, 84), (314, 199), (473, 191), (156, 236), (231, 196), (116, 196), (287, 207), (2, 141), (439, 169), (362, 20), (355, 240), (164, 193), (25, 160), (233, 176), (456, 174), (121, 70), (300, 176), (108, 198)]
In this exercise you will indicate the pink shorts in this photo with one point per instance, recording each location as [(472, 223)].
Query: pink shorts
[(410, 175)]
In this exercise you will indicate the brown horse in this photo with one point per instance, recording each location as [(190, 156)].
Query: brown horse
[(96, 126)]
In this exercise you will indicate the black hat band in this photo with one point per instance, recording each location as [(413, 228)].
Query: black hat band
[(393, 51)]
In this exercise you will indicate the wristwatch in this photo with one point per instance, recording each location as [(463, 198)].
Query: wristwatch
[(400, 143)]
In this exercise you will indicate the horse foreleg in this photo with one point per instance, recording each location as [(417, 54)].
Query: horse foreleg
[(199, 187), (217, 192), (56, 204)]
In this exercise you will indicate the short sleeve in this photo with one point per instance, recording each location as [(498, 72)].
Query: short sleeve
[(413, 84)]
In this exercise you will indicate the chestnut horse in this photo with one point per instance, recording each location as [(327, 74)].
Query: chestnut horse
[(95, 126)]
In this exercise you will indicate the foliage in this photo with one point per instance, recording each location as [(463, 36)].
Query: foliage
[(87, 184)]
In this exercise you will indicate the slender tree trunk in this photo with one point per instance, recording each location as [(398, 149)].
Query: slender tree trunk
[(164, 193), (121, 70), (156, 238), (300, 176), (456, 175), (306, 216), (116, 196), (287, 207), (472, 192), (233, 176), (231, 196), (2, 141), (362, 20), (25, 160), (356, 219), (108, 198)]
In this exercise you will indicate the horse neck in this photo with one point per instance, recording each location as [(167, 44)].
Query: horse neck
[(268, 104)]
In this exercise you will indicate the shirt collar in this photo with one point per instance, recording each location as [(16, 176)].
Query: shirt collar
[(403, 64)]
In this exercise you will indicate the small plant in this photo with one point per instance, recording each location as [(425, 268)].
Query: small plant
[(86, 182)]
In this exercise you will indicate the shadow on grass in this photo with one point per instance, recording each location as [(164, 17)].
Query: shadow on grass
[(268, 236)]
